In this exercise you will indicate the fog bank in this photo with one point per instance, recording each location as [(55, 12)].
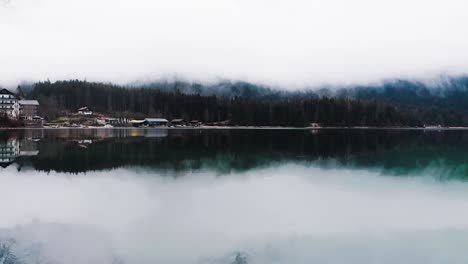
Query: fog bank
[(283, 43)]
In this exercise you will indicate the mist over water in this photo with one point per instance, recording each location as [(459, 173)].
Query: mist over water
[(284, 213)]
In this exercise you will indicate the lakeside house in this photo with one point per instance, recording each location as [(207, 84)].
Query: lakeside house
[(157, 121), (314, 125), (112, 121), (16, 108), (178, 122), (108, 121), (150, 122), (195, 123), (9, 104), (29, 109), (138, 123), (85, 111)]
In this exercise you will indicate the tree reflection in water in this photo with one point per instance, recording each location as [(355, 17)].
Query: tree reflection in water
[(398, 152)]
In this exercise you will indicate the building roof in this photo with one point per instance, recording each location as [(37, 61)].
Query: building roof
[(28, 102), (137, 121), (5, 91), (177, 120), (156, 120), (84, 109)]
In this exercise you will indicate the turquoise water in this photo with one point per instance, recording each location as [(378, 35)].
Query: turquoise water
[(233, 196)]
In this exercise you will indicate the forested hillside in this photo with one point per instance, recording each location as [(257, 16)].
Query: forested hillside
[(447, 94), (443, 94), (393, 104)]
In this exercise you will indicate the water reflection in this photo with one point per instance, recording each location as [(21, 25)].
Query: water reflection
[(285, 196), (284, 214), (441, 154), (12, 148)]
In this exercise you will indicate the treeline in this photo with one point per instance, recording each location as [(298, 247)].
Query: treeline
[(451, 94), (135, 102)]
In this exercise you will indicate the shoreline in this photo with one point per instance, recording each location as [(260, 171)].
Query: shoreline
[(235, 128)]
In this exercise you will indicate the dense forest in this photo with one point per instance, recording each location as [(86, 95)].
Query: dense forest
[(247, 104), (449, 94)]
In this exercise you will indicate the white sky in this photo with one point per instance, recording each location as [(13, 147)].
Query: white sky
[(290, 43)]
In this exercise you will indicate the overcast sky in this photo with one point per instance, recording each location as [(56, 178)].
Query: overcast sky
[(289, 43)]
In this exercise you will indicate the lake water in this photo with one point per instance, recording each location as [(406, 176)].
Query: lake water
[(233, 196)]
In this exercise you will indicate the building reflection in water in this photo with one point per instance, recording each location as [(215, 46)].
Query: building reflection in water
[(96, 134), (9, 152), (24, 143), (12, 148)]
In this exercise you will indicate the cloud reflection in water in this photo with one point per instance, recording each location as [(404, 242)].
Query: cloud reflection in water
[(283, 214)]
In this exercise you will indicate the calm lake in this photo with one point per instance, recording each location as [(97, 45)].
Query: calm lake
[(117, 196)]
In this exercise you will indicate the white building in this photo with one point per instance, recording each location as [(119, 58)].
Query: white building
[(85, 111), (9, 103)]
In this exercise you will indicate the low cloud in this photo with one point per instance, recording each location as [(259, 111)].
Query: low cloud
[(283, 43)]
